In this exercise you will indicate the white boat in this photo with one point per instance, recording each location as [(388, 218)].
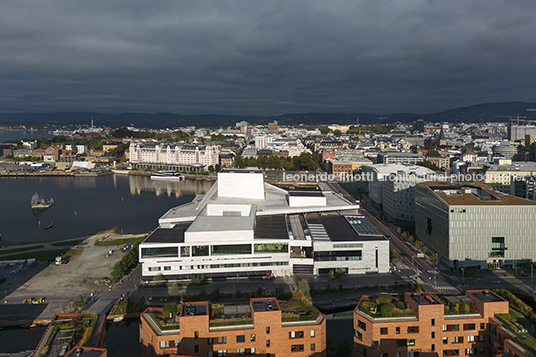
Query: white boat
[(166, 175)]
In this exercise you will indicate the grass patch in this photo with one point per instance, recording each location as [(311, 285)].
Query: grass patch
[(107, 243), (16, 250), (67, 244), (72, 254), (40, 255)]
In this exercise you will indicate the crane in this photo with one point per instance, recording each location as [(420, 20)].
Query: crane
[(510, 116)]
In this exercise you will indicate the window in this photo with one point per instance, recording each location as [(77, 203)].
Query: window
[(267, 343), (470, 338), (383, 331), (445, 340), (455, 353), (361, 325), (222, 339), (196, 348), (312, 333), (241, 338), (210, 341), (312, 346), (252, 338), (432, 322), (359, 335), (296, 334), (210, 354), (469, 327), (398, 330), (433, 347), (470, 351), (481, 338), (222, 353), (185, 251), (200, 250), (240, 351), (433, 334), (296, 348), (413, 329), (481, 350), (482, 325), (160, 252), (164, 344), (176, 343), (231, 249), (267, 329), (384, 355), (454, 327), (444, 327), (411, 342), (374, 344), (455, 339)]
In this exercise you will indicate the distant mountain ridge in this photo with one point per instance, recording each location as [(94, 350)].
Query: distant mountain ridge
[(471, 114)]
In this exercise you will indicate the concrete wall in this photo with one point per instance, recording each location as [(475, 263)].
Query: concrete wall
[(241, 185)]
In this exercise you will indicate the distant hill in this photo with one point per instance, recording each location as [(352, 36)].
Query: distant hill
[(475, 113)]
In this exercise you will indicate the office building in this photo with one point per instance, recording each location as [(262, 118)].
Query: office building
[(469, 224), (379, 173), (399, 197), (264, 326), (173, 156), (421, 324)]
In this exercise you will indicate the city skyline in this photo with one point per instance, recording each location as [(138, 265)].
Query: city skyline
[(240, 58)]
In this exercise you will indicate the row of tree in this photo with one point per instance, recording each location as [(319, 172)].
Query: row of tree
[(128, 262), (305, 161)]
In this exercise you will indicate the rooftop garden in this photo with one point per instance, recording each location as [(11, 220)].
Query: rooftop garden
[(298, 309), (385, 305), (218, 318), (458, 308), (167, 318), (69, 331)]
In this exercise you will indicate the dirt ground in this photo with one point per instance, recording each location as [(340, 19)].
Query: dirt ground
[(79, 276)]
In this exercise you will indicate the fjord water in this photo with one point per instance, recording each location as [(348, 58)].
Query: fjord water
[(87, 205)]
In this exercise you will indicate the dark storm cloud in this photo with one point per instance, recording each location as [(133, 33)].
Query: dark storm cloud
[(264, 57)]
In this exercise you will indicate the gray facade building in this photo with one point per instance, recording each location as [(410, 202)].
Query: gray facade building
[(470, 225), (400, 158)]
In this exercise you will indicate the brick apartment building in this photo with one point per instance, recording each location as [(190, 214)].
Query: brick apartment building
[(263, 326), (421, 324)]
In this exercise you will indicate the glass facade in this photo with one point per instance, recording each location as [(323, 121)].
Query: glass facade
[(271, 248), (160, 252), (231, 249)]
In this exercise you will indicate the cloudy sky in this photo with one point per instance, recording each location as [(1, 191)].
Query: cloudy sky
[(265, 57)]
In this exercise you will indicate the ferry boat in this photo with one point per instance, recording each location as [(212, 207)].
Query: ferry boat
[(166, 175)]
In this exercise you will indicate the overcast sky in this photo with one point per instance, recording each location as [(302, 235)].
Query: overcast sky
[(265, 57)]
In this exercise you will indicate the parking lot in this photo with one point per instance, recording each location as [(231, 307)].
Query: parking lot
[(81, 276)]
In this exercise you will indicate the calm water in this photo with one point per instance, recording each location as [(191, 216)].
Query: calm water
[(20, 134), (11, 341), (86, 205)]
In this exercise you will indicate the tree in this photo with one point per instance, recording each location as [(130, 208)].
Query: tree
[(337, 132), (418, 244), (174, 289), (405, 235), (393, 254), (424, 250), (304, 288)]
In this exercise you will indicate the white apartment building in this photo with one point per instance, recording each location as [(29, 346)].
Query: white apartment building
[(399, 196)]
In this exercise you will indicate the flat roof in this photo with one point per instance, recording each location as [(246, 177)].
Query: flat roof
[(222, 223), (486, 296), (339, 230), (194, 309), (460, 198), (168, 235), (271, 227), (424, 298), (264, 305), (362, 225)]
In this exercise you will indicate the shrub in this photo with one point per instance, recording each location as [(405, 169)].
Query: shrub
[(386, 309)]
